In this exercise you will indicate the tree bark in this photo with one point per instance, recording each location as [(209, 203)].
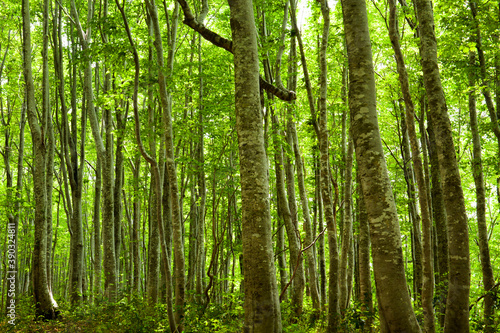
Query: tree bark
[(326, 190), (482, 228), (427, 259), (457, 307), (174, 324), (44, 302), (365, 282), (381, 209), (262, 310), (110, 279), (171, 171), (347, 227)]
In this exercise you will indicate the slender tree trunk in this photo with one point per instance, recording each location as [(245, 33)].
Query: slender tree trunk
[(74, 169), (482, 228), (13, 219), (379, 201), (121, 125), (311, 252), (44, 302), (365, 282), (262, 310), (457, 307), (294, 141), (135, 227), (110, 281), (326, 190), (347, 227), (171, 171), (321, 239), (157, 215), (296, 261), (96, 221), (485, 85)]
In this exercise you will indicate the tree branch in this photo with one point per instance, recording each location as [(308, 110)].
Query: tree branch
[(227, 45)]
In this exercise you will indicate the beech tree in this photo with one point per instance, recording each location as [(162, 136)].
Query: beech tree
[(185, 162)]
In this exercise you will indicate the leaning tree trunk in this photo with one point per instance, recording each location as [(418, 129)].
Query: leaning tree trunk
[(388, 261), (262, 309), (457, 306), (44, 302)]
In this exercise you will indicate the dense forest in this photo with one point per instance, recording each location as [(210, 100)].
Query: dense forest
[(250, 166)]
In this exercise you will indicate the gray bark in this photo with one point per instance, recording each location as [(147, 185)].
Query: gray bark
[(171, 171), (365, 282), (457, 307), (262, 310), (380, 206), (44, 302), (347, 228), (110, 279), (427, 260), (482, 228)]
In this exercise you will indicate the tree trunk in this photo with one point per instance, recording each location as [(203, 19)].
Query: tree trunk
[(110, 281), (326, 190), (262, 310), (157, 215), (13, 219), (170, 171), (482, 228), (292, 132), (44, 302), (427, 259), (296, 261), (96, 221), (381, 209), (347, 228), (365, 282), (439, 214), (457, 307)]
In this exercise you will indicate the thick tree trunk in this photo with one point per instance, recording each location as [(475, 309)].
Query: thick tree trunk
[(262, 310), (439, 214), (427, 259), (381, 209), (457, 308)]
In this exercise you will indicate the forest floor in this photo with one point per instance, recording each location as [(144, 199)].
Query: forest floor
[(134, 316)]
